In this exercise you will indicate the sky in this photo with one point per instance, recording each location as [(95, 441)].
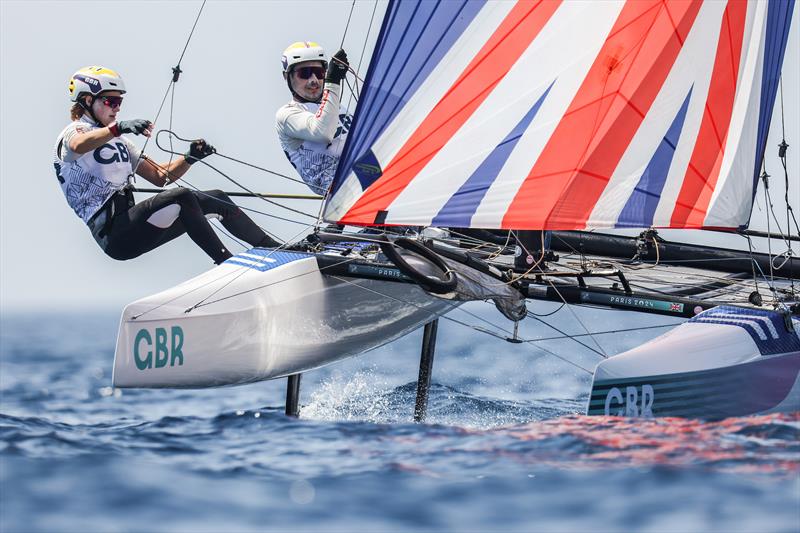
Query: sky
[(228, 93)]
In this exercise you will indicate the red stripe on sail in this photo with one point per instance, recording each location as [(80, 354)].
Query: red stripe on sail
[(520, 27), (704, 166), (575, 166)]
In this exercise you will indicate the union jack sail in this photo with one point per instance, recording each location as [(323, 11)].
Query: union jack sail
[(563, 115)]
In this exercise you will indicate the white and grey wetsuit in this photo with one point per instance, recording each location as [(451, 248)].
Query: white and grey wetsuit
[(312, 136), (94, 185), (89, 180)]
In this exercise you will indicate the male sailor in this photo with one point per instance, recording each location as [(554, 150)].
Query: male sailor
[(312, 127), (94, 161)]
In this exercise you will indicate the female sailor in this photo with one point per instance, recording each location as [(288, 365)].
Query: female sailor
[(312, 127), (94, 162)]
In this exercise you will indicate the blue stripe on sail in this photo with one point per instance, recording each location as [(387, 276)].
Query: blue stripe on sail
[(460, 208), (640, 208), (414, 38), (779, 18)]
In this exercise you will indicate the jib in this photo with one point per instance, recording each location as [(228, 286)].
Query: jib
[(162, 351), (633, 404)]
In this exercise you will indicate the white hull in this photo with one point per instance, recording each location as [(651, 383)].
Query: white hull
[(724, 362), (262, 315)]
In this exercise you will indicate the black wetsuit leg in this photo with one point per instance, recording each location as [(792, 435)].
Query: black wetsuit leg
[(233, 218), (129, 234)]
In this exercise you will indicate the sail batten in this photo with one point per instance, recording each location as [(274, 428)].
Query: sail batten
[(573, 115)]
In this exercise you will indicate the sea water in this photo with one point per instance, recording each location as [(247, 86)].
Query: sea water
[(505, 446)]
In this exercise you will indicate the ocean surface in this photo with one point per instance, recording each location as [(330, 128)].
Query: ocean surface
[(505, 446)]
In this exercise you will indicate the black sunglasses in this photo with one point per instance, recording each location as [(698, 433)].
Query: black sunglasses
[(111, 101), (305, 73)]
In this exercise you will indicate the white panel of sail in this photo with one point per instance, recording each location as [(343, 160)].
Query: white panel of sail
[(669, 130), (592, 21), (424, 99), (570, 115), (514, 96), (729, 200)]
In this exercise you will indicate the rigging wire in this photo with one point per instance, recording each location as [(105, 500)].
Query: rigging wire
[(667, 263), (602, 353), (768, 202), (363, 51), (319, 216), (176, 72), (197, 288), (782, 147), (224, 175), (268, 255), (204, 302), (243, 208), (354, 93), (236, 271), (171, 92), (253, 289), (251, 165), (752, 263), (347, 26), (606, 332), (473, 327), (197, 189)]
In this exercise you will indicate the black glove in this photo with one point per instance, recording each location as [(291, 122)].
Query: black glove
[(137, 126), (198, 150), (337, 68)]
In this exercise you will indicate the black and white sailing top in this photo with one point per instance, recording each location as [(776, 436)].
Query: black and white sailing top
[(88, 180), (312, 136)]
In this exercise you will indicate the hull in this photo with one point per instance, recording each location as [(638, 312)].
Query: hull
[(261, 315), (724, 362)]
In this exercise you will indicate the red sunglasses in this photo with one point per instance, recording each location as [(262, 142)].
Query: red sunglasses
[(305, 73), (111, 101)]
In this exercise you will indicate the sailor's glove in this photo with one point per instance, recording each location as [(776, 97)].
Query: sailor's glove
[(198, 150), (337, 68), (137, 126)]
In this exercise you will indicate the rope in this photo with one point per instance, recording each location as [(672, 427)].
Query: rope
[(782, 157), (296, 211), (243, 208), (346, 26), (268, 171), (363, 50), (176, 71)]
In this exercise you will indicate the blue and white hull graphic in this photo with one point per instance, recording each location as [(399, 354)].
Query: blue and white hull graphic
[(724, 362)]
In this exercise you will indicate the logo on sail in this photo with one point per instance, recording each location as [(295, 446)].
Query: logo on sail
[(367, 169)]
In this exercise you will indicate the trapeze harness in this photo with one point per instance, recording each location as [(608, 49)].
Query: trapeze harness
[(96, 187), (312, 136)]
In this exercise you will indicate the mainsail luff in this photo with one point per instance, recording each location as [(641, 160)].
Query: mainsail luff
[(417, 157)]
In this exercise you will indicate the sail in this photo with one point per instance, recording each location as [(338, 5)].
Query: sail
[(563, 115)]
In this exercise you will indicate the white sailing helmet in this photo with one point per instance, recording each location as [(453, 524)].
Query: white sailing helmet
[(94, 80), (301, 52)]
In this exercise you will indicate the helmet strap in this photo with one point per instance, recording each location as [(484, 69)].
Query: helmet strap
[(88, 108)]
